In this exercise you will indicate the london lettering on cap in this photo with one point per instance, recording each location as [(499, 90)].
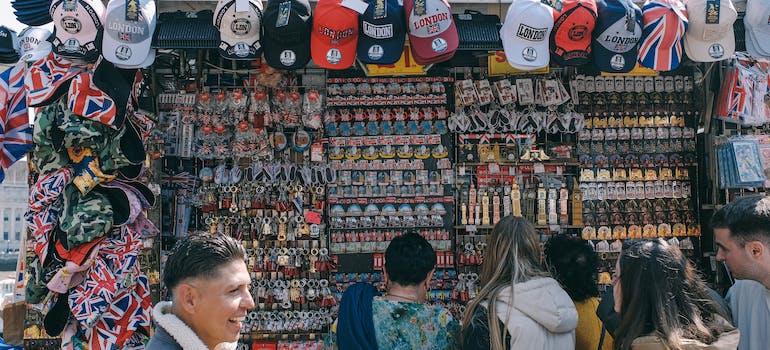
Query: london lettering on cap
[(128, 30), (616, 36), (334, 37), (432, 32), (525, 33), (383, 32), (34, 44)]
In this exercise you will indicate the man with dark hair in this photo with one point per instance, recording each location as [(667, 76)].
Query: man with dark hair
[(209, 283), (402, 318), (742, 235)]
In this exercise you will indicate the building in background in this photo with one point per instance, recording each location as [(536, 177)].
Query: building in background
[(13, 204)]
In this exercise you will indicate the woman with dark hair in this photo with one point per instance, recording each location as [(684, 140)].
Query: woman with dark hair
[(401, 319), (518, 306), (664, 305), (573, 263)]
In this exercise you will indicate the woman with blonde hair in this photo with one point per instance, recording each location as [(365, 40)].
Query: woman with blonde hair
[(519, 306)]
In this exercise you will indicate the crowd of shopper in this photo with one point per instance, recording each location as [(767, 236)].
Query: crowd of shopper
[(529, 298)]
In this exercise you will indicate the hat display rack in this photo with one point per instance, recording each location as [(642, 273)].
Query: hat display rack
[(278, 131)]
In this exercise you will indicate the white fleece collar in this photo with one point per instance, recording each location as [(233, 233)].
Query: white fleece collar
[(182, 333)]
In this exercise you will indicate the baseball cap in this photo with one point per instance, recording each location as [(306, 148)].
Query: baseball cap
[(432, 32), (757, 22), (665, 22), (34, 44), (616, 35), (239, 23), (128, 29), (572, 30), (334, 36), (9, 42), (710, 36), (32, 12), (286, 37), (48, 78), (383, 31), (78, 25), (525, 32)]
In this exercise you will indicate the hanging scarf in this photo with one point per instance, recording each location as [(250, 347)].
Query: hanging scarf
[(355, 325)]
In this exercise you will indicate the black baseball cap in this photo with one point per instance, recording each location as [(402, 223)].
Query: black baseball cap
[(286, 28)]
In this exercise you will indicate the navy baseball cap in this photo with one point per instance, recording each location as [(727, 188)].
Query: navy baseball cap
[(382, 32), (616, 35), (286, 26)]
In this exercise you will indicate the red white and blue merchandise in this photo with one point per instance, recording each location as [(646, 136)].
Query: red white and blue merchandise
[(15, 131), (665, 23)]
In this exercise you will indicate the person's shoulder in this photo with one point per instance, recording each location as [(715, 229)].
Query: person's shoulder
[(746, 288), (161, 340)]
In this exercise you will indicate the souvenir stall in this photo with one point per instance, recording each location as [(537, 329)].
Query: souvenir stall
[(314, 133)]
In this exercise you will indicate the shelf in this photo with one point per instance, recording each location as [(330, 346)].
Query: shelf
[(566, 162), (539, 227)]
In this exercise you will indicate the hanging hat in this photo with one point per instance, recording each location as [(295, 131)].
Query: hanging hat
[(334, 36), (286, 38), (432, 32), (32, 12), (128, 31), (78, 27), (34, 44), (382, 32), (48, 79), (525, 32), (710, 36), (665, 23), (9, 45), (239, 23), (85, 216), (88, 101)]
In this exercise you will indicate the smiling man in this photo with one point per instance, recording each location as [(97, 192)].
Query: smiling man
[(209, 282), (742, 236)]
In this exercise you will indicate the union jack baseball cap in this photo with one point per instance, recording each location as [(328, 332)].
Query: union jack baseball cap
[(573, 27), (525, 33), (240, 27), (128, 29), (432, 32), (78, 27), (665, 23), (88, 101), (710, 36), (334, 37), (48, 79), (383, 31), (616, 36)]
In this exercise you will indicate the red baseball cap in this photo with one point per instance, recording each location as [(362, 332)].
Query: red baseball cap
[(573, 26), (432, 31), (335, 35)]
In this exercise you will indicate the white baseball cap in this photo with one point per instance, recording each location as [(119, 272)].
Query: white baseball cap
[(239, 23), (526, 33), (34, 44), (77, 26), (757, 23), (709, 36), (128, 29)]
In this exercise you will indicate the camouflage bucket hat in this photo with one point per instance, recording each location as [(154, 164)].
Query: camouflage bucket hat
[(85, 216), (120, 202), (82, 132), (48, 154), (125, 150)]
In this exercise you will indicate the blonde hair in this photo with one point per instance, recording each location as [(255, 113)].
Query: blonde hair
[(513, 255)]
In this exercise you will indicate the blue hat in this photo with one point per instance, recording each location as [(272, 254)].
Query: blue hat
[(382, 32), (616, 35)]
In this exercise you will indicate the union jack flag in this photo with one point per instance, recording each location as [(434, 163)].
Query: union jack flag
[(115, 270), (88, 101), (665, 22), (46, 76), (129, 312), (124, 36), (40, 225), (15, 131), (183, 179), (48, 188)]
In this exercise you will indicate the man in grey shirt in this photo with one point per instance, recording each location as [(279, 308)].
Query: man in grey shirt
[(742, 236)]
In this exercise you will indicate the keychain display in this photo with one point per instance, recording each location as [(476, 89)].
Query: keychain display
[(637, 165)]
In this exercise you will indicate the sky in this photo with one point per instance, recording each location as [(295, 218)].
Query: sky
[(8, 19)]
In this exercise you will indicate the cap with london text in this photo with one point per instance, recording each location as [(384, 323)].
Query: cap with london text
[(432, 32), (616, 36), (129, 26), (525, 32), (383, 31), (335, 35)]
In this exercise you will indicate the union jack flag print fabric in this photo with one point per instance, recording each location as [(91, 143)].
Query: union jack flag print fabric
[(665, 22), (15, 131), (87, 100)]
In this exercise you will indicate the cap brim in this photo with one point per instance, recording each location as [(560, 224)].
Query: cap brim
[(319, 50), (273, 49), (423, 46), (602, 59), (393, 48), (698, 50)]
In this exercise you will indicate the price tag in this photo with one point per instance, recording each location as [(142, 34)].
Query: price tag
[(538, 168), (471, 229)]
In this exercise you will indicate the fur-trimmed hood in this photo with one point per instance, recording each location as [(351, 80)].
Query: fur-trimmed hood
[(182, 334)]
